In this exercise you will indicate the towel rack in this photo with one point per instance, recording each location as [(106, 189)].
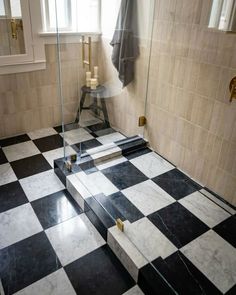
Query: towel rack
[(87, 44)]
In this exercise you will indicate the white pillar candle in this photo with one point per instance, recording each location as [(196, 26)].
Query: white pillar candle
[(88, 82), (93, 83), (88, 75), (96, 71)]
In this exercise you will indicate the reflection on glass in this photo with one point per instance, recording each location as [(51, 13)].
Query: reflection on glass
[(223, 15)]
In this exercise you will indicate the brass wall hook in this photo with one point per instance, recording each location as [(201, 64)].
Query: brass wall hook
[(232, 89)]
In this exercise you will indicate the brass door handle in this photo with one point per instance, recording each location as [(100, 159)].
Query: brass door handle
[(232, 89), (15, 25)]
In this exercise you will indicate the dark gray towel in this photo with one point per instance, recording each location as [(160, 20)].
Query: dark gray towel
[(125, 41)]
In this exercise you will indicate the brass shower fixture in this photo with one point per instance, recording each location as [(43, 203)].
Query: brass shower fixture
[(232, 89)]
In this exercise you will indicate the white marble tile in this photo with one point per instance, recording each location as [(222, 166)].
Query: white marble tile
[(109, 138), (52, 155), (56, 283), (6, 174), (41, 133), (111, 162), (74, 238), (204, 209), (20, 150), (134, 291), (77, 190), (97, 183), (126, 251), (76, 136), (148, 239), (215, 258), (148, 197), (106, 155), (41, 185), (17, 224), (218, 201), (151, 164)]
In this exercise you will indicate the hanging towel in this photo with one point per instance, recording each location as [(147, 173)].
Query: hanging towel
[(125, 41)]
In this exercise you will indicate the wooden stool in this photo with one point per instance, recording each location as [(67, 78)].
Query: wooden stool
[(95, 94)]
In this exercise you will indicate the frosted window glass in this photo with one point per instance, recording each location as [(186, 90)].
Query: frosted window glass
[(2, 8), (62, 7), (15, 8)]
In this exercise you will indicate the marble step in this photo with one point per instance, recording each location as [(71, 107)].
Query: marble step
[(105, 223), (98, 155)]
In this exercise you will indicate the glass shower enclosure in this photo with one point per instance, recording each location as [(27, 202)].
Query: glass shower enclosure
[(103, 114)]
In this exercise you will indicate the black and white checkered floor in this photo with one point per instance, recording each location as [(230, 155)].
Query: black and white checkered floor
[(49, 246)]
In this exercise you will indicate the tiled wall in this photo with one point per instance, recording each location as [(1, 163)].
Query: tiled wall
[(190, 119), (30, 101)]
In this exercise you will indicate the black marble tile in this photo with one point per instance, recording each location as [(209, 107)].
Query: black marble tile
[(48, 143), (120, 207), (100, 273), (27, 261), (3, 158), (104, 132), (152, 283), (30, 166), (67, 127), (131, 144), (61, 171), (124, 175), (99, 127), (55, 208), (178, 224), (183, 276), (137, 153), (232, 291), (176, 184), (86, 145), (227, 230), (11, 196), (99, 217), (58, 128), (14, 140)]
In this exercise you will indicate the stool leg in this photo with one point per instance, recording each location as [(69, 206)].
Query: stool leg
[(95, 105), (105, 113), (81, 105)]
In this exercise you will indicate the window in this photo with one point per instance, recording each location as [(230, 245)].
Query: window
[(72, 15), (15, 8), (2, 8), (223, 15)]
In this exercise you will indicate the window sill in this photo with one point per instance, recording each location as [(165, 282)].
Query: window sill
[(53, 34), (23, 67)]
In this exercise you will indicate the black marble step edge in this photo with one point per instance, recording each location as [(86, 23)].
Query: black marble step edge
[(219, 198), (152, 283), (127, 146)]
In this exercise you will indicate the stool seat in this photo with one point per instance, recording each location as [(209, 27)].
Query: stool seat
[(95, 94), (99, 89)]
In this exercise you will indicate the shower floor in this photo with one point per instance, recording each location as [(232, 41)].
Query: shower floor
[(49, 246)]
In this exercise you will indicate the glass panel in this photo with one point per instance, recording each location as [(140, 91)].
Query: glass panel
[(11, 27)]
